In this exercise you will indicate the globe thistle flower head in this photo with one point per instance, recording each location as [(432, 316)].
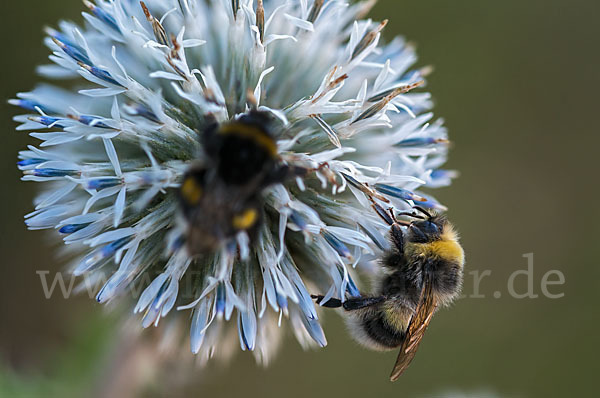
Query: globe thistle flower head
[(152, 80)]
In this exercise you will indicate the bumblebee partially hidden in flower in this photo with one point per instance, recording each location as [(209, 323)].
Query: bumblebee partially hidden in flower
[(222, 196), (423, 271)]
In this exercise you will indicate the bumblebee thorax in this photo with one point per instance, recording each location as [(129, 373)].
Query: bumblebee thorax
[(444, 249)]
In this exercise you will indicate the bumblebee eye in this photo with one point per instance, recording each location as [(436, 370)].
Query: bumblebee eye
[(246, 219), (429, 228), (191, 192), (424, 231), (434, 227)]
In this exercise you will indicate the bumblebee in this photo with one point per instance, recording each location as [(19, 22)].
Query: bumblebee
[(223, 195), (422, 271)]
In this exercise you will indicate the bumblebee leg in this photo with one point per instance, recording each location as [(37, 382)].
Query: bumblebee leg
[(283, 173), (277, 175), (361, 302), (397, 237), (331, 303), (351, 304)]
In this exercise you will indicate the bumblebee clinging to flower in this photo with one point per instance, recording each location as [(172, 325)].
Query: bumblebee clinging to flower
[(423, 270), (223, 195)]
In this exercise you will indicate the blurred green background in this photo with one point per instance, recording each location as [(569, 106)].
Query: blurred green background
[(517, 83)]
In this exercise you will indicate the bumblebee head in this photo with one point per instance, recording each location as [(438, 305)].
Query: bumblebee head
[(241, 149), (427, 229)]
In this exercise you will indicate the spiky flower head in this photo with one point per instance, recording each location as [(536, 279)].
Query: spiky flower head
[(149, 77)]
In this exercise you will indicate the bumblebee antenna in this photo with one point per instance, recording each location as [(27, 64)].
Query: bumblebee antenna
[(422, 210), (413, 215), (386, 215)]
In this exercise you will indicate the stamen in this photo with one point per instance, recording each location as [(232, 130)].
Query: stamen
[(72, 51), (331, 133), (337, 244), (260, 19), (331, 85), (315, 10), (422, 142), (368, 39), (102, 15), (29, 162), (100, 73), (159, 32), (72, 228), (398, 193), (235, 6), (364, 188), (374, 109), (49, 172)]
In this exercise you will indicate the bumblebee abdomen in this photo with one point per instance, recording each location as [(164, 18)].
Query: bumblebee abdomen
[(383, 332), (383, 328)]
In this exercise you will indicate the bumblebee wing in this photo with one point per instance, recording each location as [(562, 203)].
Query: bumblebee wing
[(416, 329)]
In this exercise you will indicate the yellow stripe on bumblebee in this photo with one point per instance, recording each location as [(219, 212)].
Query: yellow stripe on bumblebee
[(256, 134)]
